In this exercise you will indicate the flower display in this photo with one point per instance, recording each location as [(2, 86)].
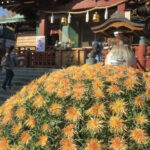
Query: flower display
[(91, 107)]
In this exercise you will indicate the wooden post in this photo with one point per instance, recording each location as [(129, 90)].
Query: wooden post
[(43, 26)]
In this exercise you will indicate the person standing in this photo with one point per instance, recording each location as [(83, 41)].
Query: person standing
[(99, 50), (12, 62)]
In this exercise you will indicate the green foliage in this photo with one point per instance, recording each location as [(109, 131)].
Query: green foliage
[(80, 108)]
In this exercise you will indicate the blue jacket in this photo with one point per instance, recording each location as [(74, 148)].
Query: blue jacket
[(100, 46)]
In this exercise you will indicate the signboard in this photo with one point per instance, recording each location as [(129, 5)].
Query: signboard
[(40, 43)]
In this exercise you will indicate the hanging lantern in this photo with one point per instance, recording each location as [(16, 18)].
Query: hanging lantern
[(87, 17), (96, 17), (63, 20), (69, 18), (52, 18)]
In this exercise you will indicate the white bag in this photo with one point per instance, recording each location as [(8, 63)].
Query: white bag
[(120, 55)]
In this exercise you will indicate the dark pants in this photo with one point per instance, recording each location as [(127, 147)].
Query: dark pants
[(8, 78), (99, 57)]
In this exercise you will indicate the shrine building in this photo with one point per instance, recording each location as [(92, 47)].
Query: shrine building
[(60, 33)]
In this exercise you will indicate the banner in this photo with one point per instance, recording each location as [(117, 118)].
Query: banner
[(40, 43)]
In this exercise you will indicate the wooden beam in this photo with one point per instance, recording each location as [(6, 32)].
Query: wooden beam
[(29, 2), (117, 25)]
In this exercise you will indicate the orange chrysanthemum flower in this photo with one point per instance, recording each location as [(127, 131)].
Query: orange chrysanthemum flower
[(114, 89), (139, 102), (38, 101), (139, 136), (25, 138), (72, 114), (21, 101), (147, 84), (119, 75), (79, 86), (116, 124), (16, 128), (62, 92), (97, 84), (112, 79), (42, 140), (0, 132), (91, 74), (118, 143), (78, 94), (140, 119), (41, 79), (30, 122), (4, 144), (65, 84), (69, 130), (105, 73), (98, 93), (24, 91), (93, 144), (59, 76), (7, 118), (50, 88), (15, 148), (97, 110), (147, 93), (20, 113), (55, 108), (78, 76), (45, 128), (94, 125), (128, 84), (33, 91), (67, 144), (118, 107), (8, 106)]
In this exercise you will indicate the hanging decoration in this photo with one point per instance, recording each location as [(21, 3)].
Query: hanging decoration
[(96, 17), (87, 17), (106, 14), (63, 20), (69, 18), (86, 11), (52, 18)]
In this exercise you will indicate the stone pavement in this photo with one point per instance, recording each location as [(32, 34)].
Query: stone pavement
[(22, 77)]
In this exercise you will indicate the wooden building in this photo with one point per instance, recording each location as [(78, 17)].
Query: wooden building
[(73, 23)]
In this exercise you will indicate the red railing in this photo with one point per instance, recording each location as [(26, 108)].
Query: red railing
[(47, 59), (42, 59), (31, 58), (146, 59)]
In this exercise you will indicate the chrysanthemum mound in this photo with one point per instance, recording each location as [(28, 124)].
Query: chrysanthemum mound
[(80, 108)]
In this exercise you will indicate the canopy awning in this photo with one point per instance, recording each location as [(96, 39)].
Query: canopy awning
[(118, 22)]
